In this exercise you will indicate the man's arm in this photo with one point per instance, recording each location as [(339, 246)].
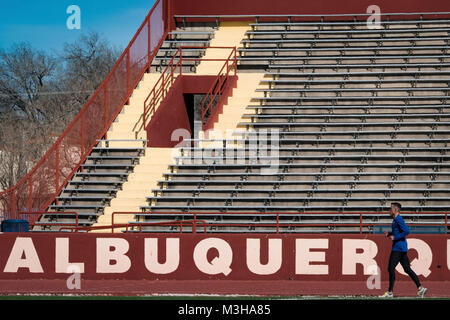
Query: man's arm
[(403, 227)]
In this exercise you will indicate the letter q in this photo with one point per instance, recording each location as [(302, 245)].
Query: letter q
[(220, 264)]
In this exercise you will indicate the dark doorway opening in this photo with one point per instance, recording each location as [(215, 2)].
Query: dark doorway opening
[(193, 103)]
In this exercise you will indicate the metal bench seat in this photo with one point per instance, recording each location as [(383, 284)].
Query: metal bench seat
[(285, 139), (360, 125), (108, 149), (82, 191), (104, 200), (339, 58), (298, 208), (190, 53), (275, 192), (189, 42), (61, 224), (275, 160), (384, 23), (350, 32), (339, 91), (166, 60), (117, 185), (318, 176), (276, 184), (175, 35), (395, 134), (323, 166), (381, 75), (335, 109), (350, 98), (370, 66), (74, 207), (307, 83), (363, 117), (109, 166), (231, 152), (309, 51), (345, 41), (86, 175), (101, 158), (231, 200)]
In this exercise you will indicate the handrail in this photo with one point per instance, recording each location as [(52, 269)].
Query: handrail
[(277, 225), (217, 86), (40, 187), (158, 92), (194, 226), (192, 223)]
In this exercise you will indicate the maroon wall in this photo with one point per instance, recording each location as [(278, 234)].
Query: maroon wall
[(336, 257), (259, 7), (172, 114)]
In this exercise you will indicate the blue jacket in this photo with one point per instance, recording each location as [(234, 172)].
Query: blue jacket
[(399, 230)]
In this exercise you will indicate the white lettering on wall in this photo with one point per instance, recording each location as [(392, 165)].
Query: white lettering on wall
[(350, 256), (112, 249), (304, 256), (172, 256), (23, 247), (254, 256), (62, 257), (220, 264)]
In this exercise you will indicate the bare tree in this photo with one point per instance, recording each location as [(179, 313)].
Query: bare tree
[(40, 94), (88, 61)]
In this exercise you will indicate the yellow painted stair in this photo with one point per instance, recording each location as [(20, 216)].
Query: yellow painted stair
[(156, 161), (138, 186)]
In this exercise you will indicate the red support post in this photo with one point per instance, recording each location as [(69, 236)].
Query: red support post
[(149, 46), (278, 222), (82, 135), (163, 86), (235, 62), (57, 170), (181, 61), (446, 222), (194, 226), (13, 203), (106, 106), (360, 223), (30, 194), (128, 72)]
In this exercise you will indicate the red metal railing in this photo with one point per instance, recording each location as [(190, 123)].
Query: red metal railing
[(159, 91), (218, 87), (39, 188), (194, 222), (168, 75), (127, 226)]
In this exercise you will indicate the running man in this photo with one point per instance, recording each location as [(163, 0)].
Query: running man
[(399, 252)]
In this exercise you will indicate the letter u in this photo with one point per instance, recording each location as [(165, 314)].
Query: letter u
[(172, 256)]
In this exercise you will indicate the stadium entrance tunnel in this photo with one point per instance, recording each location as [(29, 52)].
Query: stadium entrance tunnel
[(179, 116)]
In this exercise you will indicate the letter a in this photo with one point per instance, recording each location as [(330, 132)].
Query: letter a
[(74, 20), (23, 246)]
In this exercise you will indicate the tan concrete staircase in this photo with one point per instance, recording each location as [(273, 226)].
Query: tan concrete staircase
[(156, 160)]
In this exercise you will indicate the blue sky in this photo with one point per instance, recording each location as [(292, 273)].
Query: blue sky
[(42, 23)]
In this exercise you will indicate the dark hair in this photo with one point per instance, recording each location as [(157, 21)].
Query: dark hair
[(397, 204)]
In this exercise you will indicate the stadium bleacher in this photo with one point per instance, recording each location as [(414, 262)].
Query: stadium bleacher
[(361, 117)]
